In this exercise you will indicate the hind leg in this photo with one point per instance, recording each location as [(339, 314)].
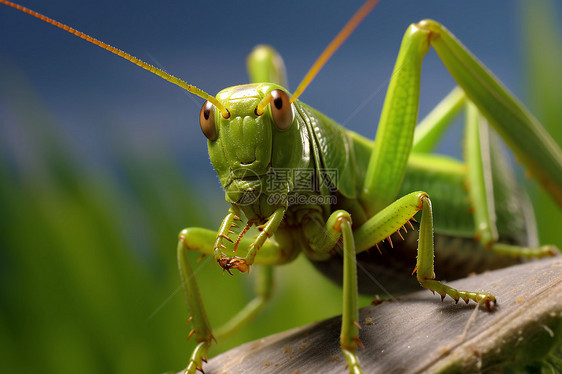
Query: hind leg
[(481, 166)]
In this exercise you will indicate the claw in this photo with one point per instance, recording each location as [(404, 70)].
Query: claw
[(489, 303), (443, 297), (238, 263)]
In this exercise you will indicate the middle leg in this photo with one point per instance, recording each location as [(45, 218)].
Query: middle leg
[(391, 219), (336, 229)]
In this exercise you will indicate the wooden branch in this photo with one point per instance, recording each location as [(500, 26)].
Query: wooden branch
[(418, 333)]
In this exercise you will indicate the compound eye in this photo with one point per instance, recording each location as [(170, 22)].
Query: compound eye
[(207, 121), (281, 109)]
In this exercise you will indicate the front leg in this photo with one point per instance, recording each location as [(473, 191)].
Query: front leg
[(273, 252), (243, 264), (229, 223), (198, 316)]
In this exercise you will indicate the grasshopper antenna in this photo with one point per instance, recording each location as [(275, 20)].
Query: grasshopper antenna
[(350, 26), (170, 78)]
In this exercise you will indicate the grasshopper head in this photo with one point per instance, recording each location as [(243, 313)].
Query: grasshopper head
[(255, 140)]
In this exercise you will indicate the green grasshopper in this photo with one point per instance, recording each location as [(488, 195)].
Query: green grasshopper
[(311, 186)]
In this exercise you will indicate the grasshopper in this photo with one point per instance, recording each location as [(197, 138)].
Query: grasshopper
[(311, 186)]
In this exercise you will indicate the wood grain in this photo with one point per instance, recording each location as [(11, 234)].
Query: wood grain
[(417, 333)]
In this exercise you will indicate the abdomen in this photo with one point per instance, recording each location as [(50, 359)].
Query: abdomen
[(457, 253), (390, 273)]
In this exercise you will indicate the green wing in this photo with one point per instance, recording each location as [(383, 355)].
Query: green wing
[(333, 153)]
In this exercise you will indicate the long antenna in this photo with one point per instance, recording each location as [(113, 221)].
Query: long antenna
[(350, 26), (170, 78)]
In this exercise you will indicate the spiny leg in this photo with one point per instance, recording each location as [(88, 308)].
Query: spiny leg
[(322, 239), (267, 230), (388, 221), (425, 265), (198, 316), (201, 240), (349, 338), (481, 163), (391, 219)]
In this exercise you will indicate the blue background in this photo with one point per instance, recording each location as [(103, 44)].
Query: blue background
[(96, 96)]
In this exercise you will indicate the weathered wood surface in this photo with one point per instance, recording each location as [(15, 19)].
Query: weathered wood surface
[(418, 333)]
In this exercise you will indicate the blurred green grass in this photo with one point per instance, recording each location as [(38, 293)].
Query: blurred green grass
[(542, 52), (87, 253)]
